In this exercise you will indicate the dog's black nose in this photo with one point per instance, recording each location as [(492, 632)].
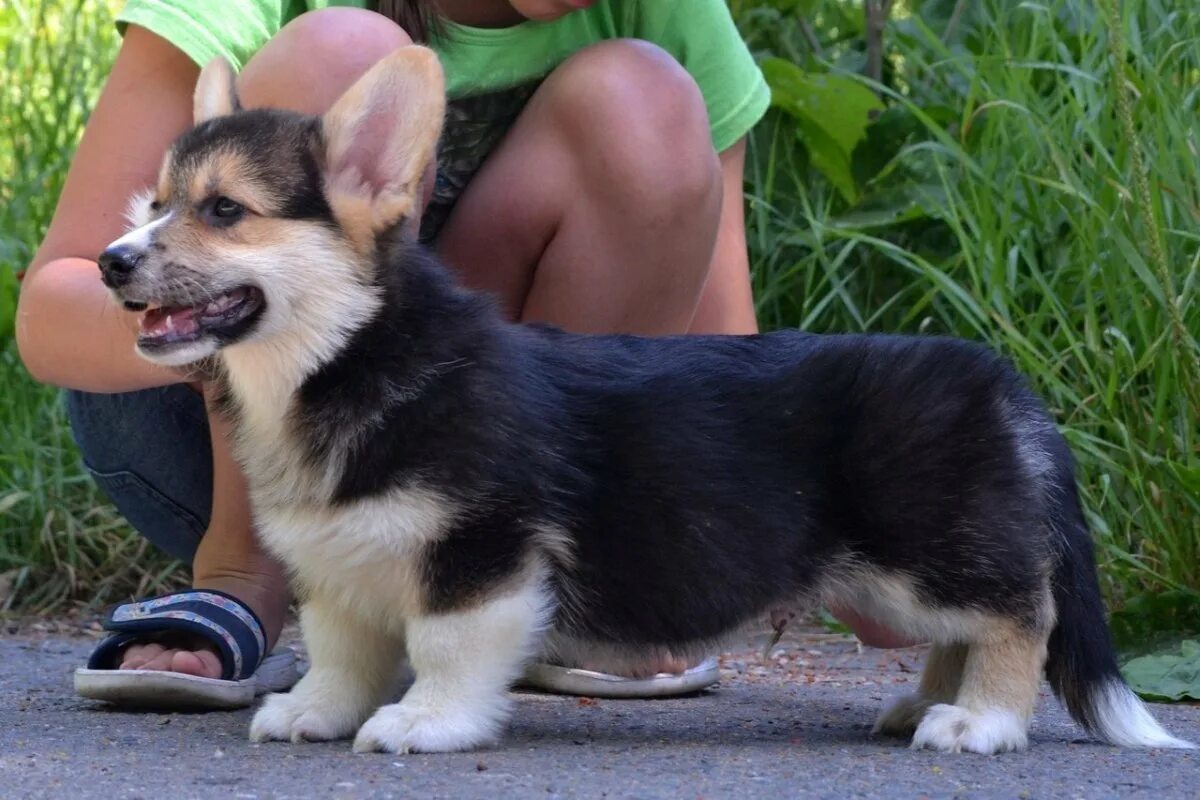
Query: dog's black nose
[(117, 264)]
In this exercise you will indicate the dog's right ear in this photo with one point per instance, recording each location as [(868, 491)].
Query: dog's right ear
[(215, 94), (379, 137)]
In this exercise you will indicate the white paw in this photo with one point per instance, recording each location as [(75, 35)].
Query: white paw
[(410, 728), (902, 715), (953, 729), (293, 718)]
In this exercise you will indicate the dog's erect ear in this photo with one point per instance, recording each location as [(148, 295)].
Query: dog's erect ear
[(380, 136), (215, 95)]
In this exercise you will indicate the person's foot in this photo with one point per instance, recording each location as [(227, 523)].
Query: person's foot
[(192, 658), (266, 595), (664, 663), (868, 631), (229, 559)]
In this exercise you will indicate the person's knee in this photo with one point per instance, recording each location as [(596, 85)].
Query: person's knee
[(116, 432), (638, 122), (149, 453), (316, 56), (98, 428)]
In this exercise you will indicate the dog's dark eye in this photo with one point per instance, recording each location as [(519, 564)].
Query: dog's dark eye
[(224, 208), (155, 205)]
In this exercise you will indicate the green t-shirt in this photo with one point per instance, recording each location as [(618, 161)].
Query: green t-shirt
[(700, 34), (492, 72)]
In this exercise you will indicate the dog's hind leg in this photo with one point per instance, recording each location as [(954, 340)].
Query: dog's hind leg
[(940, 682), (465, 662), (979, 687), (991, 713)]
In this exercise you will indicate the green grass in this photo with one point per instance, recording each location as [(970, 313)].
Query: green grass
[(1021, 224), (994, 198), (60, 542)]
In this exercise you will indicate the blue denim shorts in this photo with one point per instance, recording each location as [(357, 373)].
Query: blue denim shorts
[(150, 452)]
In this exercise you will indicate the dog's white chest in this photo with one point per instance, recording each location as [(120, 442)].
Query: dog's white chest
[(364, 556)]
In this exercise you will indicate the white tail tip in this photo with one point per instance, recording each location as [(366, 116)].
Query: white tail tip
[(1123, 719)]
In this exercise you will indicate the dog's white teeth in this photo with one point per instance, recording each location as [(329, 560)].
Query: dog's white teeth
[(220, 305), (170, 323)]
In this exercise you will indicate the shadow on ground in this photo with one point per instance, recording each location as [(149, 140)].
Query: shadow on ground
[(798, 726)]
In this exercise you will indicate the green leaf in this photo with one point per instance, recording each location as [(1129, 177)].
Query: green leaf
[(884, 138), (1167, 676), (1148, 620), (827, 156), (832, 114), (832, 623), (905, 203)]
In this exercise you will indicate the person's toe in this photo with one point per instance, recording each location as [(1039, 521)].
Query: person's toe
[(675, 665), (138, 655), (203, 663), (160, 662)]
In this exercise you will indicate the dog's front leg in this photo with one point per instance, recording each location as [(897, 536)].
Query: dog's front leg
[(465, 662), (354, 668)]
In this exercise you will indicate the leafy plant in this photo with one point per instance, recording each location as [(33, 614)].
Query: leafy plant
[(832, 113), (1167, 676)]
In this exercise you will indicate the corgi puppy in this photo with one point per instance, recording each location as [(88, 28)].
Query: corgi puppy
[(475, 493)]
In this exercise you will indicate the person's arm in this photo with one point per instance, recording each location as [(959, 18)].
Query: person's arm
[(726, 305), (69, 331)]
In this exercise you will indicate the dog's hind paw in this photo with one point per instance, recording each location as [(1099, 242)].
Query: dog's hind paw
[(290, 718), (953, 729), (902, 715), (412, 729)]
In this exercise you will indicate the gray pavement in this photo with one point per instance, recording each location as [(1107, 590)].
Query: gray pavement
[(797, 727)]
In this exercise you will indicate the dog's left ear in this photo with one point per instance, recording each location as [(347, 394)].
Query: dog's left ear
[(380, 136), (215, 94)]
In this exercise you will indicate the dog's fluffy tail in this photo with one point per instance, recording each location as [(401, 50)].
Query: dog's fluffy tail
[(1081, 664)]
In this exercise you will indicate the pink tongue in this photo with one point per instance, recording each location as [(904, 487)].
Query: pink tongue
[(169, 321)]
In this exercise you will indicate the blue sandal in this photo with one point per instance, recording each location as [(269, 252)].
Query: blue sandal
[(247, 670)]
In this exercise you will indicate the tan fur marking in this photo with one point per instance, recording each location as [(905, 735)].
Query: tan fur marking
[(1003, 670), (380, 135), (356, 217), (228, 174), (942, 676), (214, 96), (165, 173), (940, 682)]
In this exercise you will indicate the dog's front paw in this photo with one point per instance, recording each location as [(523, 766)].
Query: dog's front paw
[(953, 729), (402, 728), (902, 715), (294, 718)]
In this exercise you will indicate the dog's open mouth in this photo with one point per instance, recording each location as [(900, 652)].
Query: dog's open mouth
[(224, 317)]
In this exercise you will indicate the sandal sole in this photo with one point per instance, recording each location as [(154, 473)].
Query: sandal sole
[(145, 688)]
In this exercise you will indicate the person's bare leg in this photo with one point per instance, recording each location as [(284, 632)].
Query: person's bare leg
[(599, 210), (305, 68), (229, 559)]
